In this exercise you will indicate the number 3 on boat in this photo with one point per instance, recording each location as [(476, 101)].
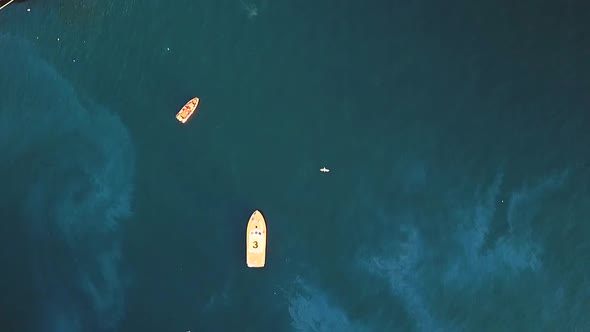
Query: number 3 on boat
[(256, 240)]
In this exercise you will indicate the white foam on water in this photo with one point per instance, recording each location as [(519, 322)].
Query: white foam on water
[(78, 185), (512, 252), (311, 310), (475, 260), (402, 268)]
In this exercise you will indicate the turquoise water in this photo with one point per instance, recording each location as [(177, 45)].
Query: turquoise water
[(457, 138)]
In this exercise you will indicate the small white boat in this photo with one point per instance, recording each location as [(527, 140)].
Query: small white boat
[(325, 170)]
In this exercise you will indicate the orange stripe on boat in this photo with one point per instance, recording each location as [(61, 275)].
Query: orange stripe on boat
[(187, 110)]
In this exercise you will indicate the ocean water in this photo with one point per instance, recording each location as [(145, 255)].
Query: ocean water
[(457, 135)]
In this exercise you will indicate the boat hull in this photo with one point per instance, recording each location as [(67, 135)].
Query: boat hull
[(256, 241), (187, 110)]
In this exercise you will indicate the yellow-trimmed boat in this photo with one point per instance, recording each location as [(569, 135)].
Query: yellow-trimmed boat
[(256, 240), (187, 110)]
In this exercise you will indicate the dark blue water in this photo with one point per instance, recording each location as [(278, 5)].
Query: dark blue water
[(457, 135)]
